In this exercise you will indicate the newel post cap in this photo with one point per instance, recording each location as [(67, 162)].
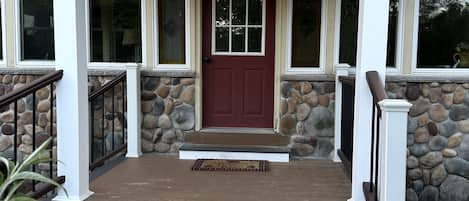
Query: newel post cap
[(395, 105)]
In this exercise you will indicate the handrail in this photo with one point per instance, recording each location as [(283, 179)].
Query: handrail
[(347, 80), (31, 87), (376, 86), (107, 86)]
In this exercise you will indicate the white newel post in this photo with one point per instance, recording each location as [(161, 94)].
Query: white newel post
[(393, 146), (133, 111), (72, 99), (340, 70), (371, 56)]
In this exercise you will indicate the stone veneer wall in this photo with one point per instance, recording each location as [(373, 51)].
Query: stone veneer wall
[(307, 110), (95, 81), (167, 112), (8, 83), (438, 140)]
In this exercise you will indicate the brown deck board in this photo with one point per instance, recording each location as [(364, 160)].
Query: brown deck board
[(155, 178)]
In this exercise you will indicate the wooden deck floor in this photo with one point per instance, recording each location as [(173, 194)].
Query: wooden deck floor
[(155, 178)]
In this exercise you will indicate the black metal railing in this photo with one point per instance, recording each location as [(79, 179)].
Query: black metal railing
[(348, 110), (379, 93), (27, 97), (108, 121)]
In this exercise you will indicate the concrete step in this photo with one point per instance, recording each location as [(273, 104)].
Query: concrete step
[(241, 139), (236, 146)]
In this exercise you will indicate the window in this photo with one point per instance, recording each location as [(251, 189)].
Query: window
[(305, 31), (443, 34), (238, 27), (1, 31), (172, 31), (36, 30), (349, 30), (172, 38), (115, 31)]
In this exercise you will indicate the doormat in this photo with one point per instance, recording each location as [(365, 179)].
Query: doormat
[(231, 165)]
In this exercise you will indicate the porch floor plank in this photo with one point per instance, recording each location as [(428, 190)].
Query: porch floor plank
[(159, 178)]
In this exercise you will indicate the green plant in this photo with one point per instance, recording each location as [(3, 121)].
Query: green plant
[(14, 175)]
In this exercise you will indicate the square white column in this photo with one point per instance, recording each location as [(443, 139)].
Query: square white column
[(371, 56), (72, 98)]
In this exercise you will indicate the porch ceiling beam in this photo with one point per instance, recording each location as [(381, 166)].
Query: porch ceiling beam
[(72, 98), (371, 55)]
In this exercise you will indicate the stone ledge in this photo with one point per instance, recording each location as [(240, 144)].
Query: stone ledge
[(308, 77), (180, 74), (427, 78), (26, 71), (104, 72)]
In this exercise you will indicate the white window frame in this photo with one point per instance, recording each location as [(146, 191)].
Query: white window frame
[(230, 53), (399, 39), (322, 48), (115, 65), (415, 38), (3, 62), (18, 48), (173, 67)]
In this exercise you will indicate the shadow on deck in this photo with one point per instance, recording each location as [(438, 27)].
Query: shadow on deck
[(157, 178)]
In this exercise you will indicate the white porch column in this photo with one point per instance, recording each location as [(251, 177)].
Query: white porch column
[(371, 55), (393, 146), (133, 112), (340, 70), (72, 98)]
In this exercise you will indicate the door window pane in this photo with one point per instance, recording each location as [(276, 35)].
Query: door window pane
[(37, 30), (115, 31), (172, 31), (443, 34), (222, 12), (306, 33), (255, 39), (255, 12), (243, 31), (349, 30), (238, 41), (238, 12)]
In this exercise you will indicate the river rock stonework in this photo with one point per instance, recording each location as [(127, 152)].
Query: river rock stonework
[(438, 140), (307, 116), (167, 113), (26, 120), (106, 121)]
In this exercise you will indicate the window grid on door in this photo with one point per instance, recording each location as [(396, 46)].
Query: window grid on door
[(227, 27)]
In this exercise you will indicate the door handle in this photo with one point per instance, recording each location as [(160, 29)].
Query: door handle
[(206, 60)]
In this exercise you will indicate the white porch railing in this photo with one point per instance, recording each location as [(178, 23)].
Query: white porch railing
[(387, 153)]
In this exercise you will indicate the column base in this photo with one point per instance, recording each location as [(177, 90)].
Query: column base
[(133, 155), (73, 198)]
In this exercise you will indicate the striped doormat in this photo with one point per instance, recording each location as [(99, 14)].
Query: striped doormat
[(231, 165)]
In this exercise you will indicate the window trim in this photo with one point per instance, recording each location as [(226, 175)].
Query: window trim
[(26, 63), (172, 67), (230, 53), (398, 68), (115, 65), (415, 42), (323, 42)]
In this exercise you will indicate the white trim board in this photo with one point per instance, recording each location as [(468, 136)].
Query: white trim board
[(272, 157)]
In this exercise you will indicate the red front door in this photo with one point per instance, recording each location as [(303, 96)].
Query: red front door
[(238, 63)]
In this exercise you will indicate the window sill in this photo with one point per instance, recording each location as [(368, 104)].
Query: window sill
[(308, 77), (181, 74)]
